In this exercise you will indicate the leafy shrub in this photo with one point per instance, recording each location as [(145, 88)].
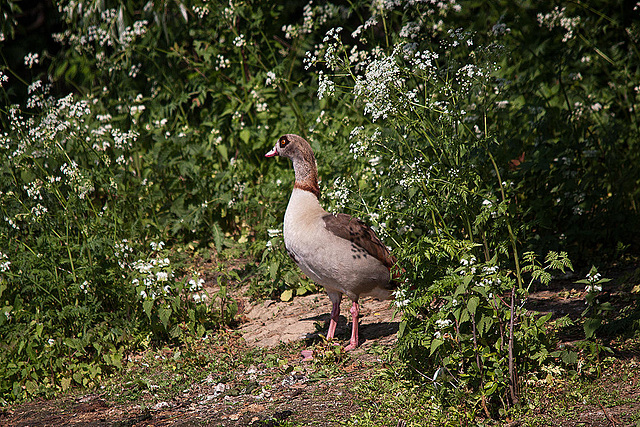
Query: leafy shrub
[(75, 283)]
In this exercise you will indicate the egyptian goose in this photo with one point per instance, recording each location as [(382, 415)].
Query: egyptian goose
[(338, 252)]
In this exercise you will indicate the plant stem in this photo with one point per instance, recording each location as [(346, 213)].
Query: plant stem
[(512, 236), (513, 374)]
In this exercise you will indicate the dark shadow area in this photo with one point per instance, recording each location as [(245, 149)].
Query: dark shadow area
[(367, 331), (619, 303)]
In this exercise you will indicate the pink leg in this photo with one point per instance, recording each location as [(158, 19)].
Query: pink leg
[(355, 309), (335, 298), (335, 314)]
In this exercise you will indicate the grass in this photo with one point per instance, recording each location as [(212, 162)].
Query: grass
[(379, 397)]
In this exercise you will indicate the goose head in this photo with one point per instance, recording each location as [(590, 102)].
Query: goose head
[(299, 151), (293, 147)]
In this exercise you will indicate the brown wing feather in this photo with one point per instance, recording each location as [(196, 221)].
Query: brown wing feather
[(357, 232)]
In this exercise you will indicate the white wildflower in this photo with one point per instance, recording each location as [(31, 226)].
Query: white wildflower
[(443, 323), (239, 41), (4, 263), (31, 59)]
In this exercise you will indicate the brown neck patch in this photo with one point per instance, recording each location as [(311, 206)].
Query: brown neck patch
[(310, 187)]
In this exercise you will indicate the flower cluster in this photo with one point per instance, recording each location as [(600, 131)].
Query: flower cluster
[(122, 251), (375, 88), (468, 265), (4, 263), (400, 298), (222, 63), (155, 274), (201, 11), (239, 41), (325, 85), (196, 285), (95, 38), (271, 79), (557, 18), (81, 184), (593, 277), (273, 233), (312, 17), (260, 102), (31, 59), (339, 194)]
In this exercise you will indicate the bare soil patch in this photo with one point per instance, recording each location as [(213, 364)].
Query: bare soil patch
[(271, 323)]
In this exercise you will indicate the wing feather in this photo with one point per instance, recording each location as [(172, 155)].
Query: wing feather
[(360, 234)]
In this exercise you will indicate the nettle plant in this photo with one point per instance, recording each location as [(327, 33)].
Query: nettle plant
[(429, 181)]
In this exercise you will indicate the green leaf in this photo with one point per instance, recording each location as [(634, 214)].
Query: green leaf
[(484, 325), (472, 305), (591, 326), (569, 357), (77, 377), (544, 319), (175, 332), (222, 149), (464, 316), (164, 313), (286, 295), (273, 269), (218, 237), (98, 347), (245, 134), (401, 328), (435, 343), (147, 306)]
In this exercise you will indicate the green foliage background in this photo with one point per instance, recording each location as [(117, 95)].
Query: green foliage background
[(175, 103)]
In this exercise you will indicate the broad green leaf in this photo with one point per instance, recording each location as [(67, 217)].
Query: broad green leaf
[(464, 316), (273, 269), (164, 314), (472, 305), (485, 324), (401, 328), (222, 149), (544, 319), (147, 306), (435, 343), (175, 332), (591, 326), (286, 295), (245, 134), (569, 357)]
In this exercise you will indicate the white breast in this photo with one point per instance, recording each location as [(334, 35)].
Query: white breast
[(326, 258)]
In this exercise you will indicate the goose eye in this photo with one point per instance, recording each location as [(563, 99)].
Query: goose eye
[(283, 142)]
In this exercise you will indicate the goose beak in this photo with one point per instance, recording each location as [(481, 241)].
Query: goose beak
[(272, 153)]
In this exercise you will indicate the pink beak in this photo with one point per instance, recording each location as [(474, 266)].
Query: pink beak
[(272, 153)]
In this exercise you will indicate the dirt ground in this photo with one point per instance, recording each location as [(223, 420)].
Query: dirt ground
[(273, 322), (296, 396)]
